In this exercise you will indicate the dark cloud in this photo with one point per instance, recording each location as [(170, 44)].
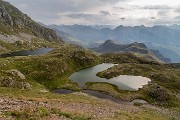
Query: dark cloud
[(153, 18), (122, 18), (120, 8), (105, 12)]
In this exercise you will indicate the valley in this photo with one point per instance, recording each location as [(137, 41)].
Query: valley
[(51, 71), (51, 74)]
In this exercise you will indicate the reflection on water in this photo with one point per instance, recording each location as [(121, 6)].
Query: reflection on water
[(124, 82), (28, 52)]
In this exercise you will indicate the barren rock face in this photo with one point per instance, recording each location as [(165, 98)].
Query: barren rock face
[(13, 83), (15, 79), (16, 20), (5, 17)]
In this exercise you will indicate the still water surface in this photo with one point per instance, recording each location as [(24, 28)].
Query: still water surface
[(124, 82), (28, 52)]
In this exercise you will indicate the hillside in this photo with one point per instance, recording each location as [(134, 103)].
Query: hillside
[(17, 26), (139, 49), (29, 82)]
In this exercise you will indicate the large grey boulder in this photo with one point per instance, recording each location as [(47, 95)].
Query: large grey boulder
[(13, 83)]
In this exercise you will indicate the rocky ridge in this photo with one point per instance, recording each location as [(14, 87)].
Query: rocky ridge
[(111, 46), (13, 21)]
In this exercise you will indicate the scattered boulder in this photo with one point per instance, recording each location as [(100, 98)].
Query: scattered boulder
[(16, 73), (10, 82), (43, 91), (159, 94)]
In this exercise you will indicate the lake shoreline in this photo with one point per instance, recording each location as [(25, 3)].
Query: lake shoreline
[(123, 82)]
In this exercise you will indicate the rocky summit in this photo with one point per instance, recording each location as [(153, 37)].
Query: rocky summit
[(140, 49)]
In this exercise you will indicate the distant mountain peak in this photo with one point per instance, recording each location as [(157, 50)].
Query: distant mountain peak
[(160, 35), (110, 42), (142, 45), (110, 46)]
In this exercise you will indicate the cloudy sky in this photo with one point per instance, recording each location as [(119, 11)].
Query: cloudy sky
[(102, 12)]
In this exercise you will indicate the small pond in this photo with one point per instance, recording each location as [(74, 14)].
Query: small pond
[(28, 52), (123, 82)]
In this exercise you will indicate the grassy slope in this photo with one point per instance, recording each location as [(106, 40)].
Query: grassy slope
[(164, 77), (35, 43), (52, 70)]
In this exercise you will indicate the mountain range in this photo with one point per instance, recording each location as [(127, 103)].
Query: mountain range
[(17, 26), (162, 38), (35, 82), (139, 49)]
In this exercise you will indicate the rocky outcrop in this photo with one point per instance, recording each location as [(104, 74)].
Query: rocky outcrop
[(14, 79), (17, 74), (13, 83), (11, 17), (5, 17), (42, 32)]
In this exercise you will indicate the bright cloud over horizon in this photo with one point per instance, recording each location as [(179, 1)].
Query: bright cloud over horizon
[(102, 12)]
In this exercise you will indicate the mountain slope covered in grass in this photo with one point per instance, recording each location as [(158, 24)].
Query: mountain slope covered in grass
[(41, 74), (19, 27), (27, 82)]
